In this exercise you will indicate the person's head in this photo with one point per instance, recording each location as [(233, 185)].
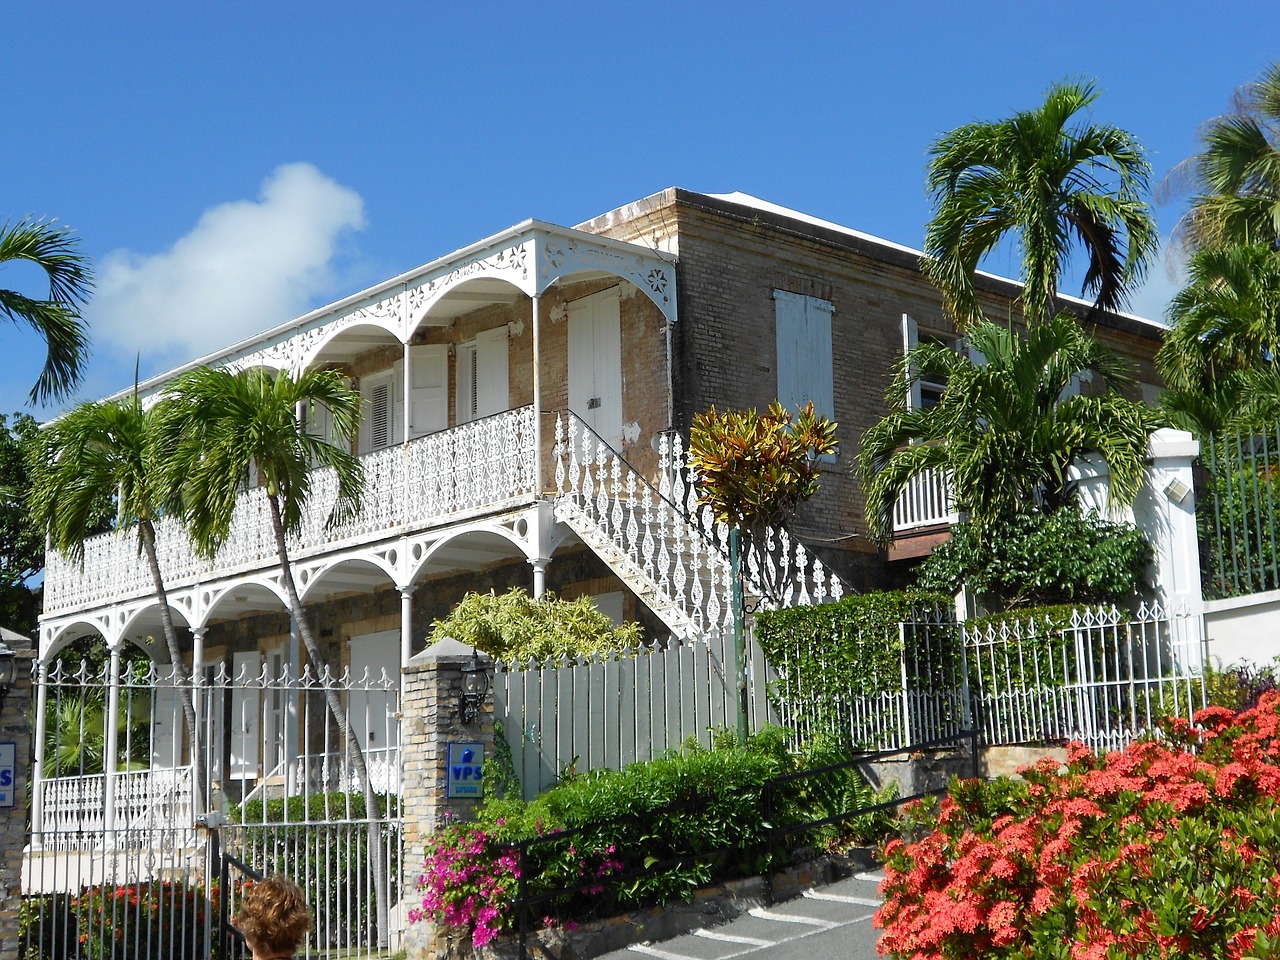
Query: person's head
[(273, 918)]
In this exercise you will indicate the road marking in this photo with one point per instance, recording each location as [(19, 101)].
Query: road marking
[(841, 898), (655, 952), (730, 938), (764, 914)]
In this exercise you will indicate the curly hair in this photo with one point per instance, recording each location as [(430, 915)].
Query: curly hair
[(273, 916)]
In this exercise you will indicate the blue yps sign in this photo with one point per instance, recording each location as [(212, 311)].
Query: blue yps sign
[(466, 770), (8, 773)]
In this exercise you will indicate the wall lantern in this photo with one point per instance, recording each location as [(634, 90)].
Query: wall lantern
[(475, 684), (8, 670)]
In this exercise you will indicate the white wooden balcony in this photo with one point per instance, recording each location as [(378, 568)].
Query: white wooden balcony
[(480, 466), (925, 502)]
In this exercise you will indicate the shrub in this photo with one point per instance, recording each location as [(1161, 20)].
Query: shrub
[(1154, 851), (1036, 560), (154, 920), (514, 627), (707, 805)]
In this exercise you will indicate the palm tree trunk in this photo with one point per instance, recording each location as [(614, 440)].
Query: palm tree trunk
[(147, 537), (342, 719)]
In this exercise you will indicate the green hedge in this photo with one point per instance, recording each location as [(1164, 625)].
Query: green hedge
[(835, 659), (724, 789)]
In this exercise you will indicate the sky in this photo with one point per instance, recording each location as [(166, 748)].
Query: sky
[(230, 166)]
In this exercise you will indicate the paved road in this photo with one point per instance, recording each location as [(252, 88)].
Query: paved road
[(825, 923)]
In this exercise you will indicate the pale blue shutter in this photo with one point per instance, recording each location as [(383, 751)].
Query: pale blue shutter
[(804, 352)]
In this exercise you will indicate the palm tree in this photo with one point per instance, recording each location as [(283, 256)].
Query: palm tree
[(1053, 182), (1003, 428), (1236, 174), (227, 424), (1224, 331), (113, 448), (57, 317)]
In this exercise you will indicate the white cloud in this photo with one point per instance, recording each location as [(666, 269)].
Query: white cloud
[(246, 266)]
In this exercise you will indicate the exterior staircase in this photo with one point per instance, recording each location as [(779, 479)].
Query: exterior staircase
[(665, 546)]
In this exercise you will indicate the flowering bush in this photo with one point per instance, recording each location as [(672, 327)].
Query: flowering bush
[(1151, 852), (155, 920), (470, 877)]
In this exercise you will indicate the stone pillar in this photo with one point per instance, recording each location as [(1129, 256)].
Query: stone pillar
[(15, 728), (431, 684)]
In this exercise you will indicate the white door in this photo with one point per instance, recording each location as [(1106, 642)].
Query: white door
[(166, 725), (246, 727), (595, 364), (277, 703), (428, 389), (375, 678), (382, 409)]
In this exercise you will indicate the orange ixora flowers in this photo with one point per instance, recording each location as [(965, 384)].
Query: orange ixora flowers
[(1167, 849)]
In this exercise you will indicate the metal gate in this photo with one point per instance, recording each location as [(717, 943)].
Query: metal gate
[(153, 804)]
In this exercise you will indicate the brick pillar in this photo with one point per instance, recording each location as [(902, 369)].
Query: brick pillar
[(430, 721), (15, 728)]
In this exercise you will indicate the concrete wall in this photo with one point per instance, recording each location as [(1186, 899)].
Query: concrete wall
[(1244, 629)]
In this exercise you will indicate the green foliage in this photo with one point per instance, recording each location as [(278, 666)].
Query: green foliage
[(54, 315), (719, 800), (834, 651), (1236, 174), (1035, 560), (155, 920), (754, 469), (515, 628), (1237, 514), (1053, 181), (1003, 431)]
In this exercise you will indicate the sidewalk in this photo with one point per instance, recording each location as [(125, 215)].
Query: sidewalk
[(832, 921)]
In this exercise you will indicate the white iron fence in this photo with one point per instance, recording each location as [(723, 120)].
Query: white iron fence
[(116, 866), (1105, 676)]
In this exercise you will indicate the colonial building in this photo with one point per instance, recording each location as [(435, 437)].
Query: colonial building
[(525, 399)]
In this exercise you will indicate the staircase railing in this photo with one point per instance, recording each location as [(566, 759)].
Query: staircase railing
[(665, 536)]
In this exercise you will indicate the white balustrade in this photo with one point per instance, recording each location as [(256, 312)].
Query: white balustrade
[(485, 464), (926, 501)]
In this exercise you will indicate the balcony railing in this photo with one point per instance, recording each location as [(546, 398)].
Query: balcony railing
[(484, 464), (926, 501)]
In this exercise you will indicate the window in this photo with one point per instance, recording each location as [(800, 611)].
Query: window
[(923, 393), (803, 327), (380, 396)]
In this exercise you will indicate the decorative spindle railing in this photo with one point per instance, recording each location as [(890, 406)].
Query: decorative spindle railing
[(485, 464)]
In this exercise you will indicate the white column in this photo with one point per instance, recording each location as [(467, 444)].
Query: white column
[(37, 767), (537, 397), (539, 565), (406, 624), (1166, 512), (109, 760)]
